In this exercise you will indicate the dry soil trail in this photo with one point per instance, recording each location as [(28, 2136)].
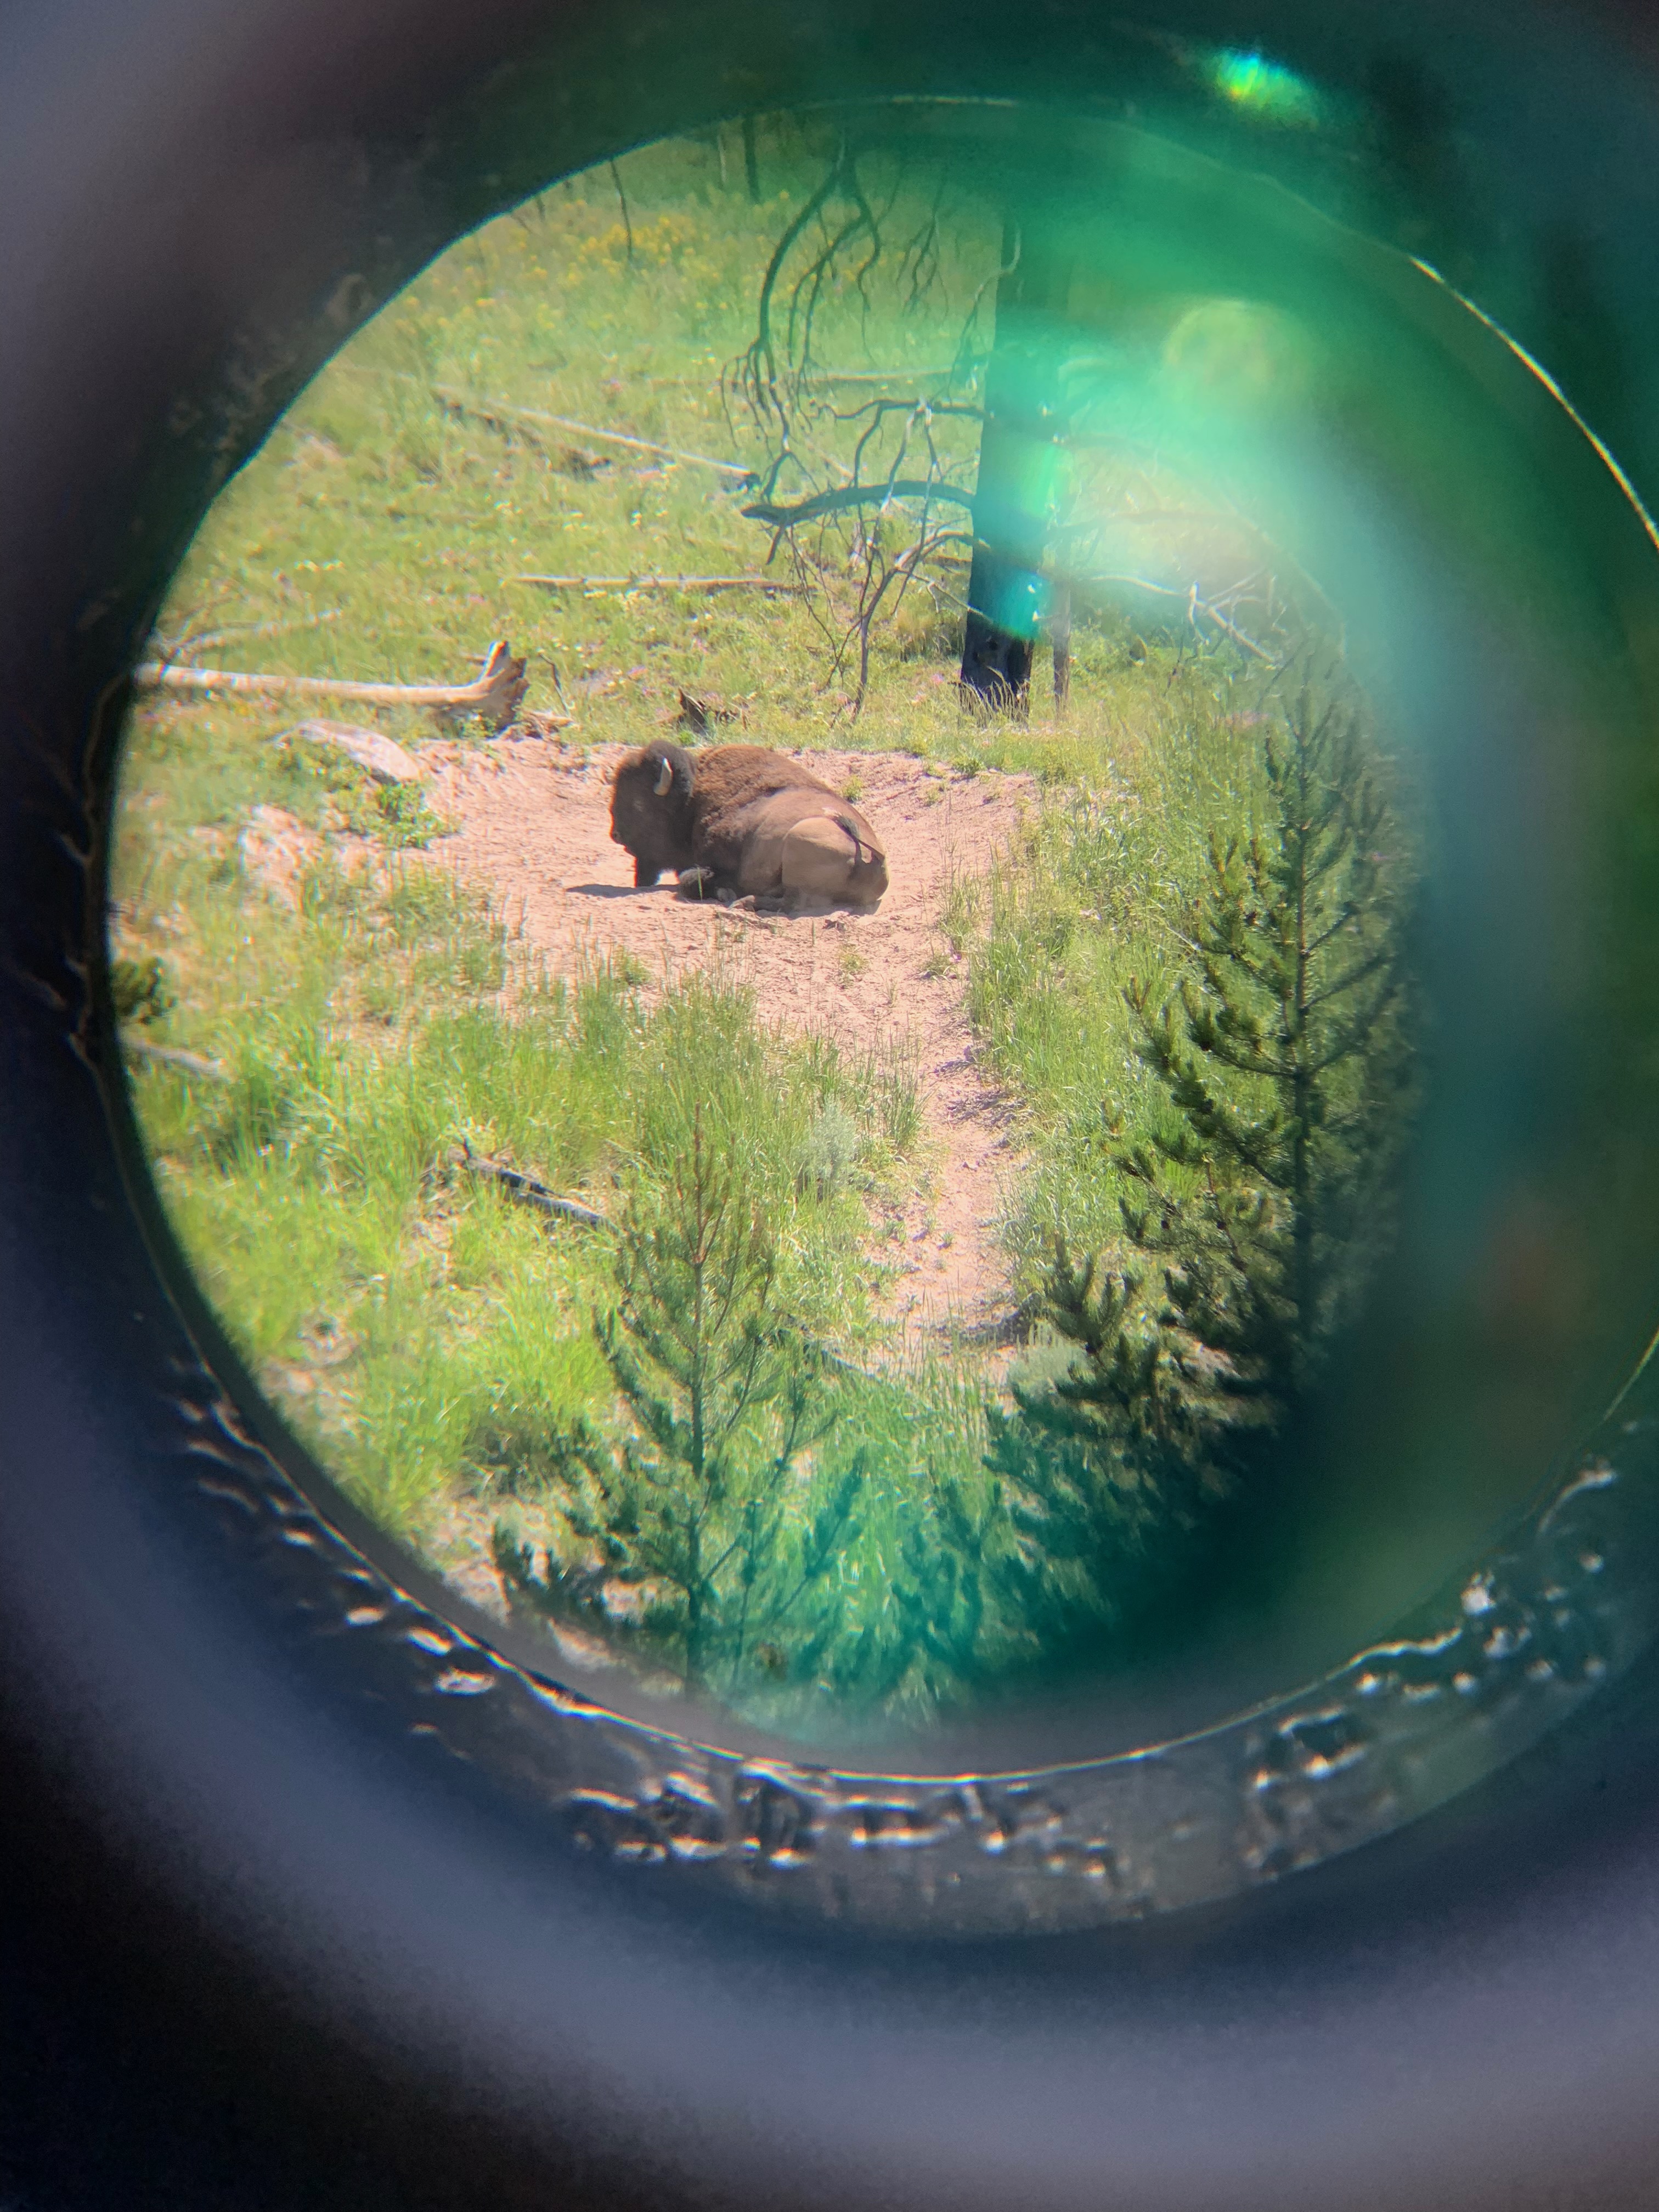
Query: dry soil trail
[(534, 829)]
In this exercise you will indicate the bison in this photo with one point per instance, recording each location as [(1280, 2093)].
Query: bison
[(743, 820)]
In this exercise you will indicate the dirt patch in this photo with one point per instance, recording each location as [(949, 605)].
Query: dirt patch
[(535, 830), (277, 848)]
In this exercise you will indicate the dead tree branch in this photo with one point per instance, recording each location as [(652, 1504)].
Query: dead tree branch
[(496, 694), (1195, 606), (755, 374), (773, 585), (191, 641), (528, 1192), (172, 1055), (497, 414), (856, 496), (621, 201)]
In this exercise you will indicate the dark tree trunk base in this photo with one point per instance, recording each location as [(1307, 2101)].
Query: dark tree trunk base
[(751, 160), (1011, 601), (996, 667), (1060, 639)]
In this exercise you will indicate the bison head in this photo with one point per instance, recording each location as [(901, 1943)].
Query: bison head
[(651, 810)]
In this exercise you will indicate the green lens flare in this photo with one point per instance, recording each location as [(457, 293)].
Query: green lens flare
[(1265, 89)]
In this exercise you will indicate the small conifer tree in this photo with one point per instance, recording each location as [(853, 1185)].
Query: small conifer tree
[(1094, 1462), (1290, 1061), (690, 1509), (1257, 1214)]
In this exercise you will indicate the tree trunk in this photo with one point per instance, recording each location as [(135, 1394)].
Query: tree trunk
[(1060, 639), (1009, 597), (751, 160)]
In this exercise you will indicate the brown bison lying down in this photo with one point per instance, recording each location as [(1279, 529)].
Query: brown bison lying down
[(738, 821)]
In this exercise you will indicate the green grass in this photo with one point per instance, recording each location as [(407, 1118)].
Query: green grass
[(426, 1335), (322, 1187), (418, 1328)]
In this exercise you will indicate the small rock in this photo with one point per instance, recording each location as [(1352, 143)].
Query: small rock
[(577, 461), (700, 715), (531, 724), (386, 762)]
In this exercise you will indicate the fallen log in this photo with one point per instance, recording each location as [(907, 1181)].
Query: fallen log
[(496, 695), (387, 762), (496, 414), (775, 586), (528, 1192), (172, 1055)]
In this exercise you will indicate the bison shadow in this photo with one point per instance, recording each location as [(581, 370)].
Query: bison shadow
[(616, 890)]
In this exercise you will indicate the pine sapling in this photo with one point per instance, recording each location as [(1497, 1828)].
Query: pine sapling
[(689, 1511), (1288, 1059)]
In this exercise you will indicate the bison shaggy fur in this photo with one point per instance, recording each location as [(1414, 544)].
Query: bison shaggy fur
[(736, 821)]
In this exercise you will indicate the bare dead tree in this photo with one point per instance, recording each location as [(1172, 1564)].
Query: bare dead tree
[(769, 376), (751, 160), (861, 500), (870, 503), (621, 202), (866, 543)]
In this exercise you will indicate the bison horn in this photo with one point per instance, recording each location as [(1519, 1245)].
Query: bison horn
[(664, 777)]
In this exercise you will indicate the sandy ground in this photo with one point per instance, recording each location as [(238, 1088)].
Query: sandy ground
[(534, 818)]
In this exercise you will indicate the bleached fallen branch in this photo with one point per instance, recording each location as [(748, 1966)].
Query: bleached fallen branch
[(498, 415), (775, 586), (171, 1055), (496, 695)]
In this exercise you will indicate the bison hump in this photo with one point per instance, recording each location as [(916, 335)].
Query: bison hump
[(733, 775), (779, 810)]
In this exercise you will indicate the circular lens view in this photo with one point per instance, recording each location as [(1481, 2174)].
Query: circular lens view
[(877, 919)]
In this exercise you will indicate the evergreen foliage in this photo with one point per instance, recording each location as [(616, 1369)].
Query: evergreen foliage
[(1255, 1216), (945, 1589), (1093, 1462), (691, 1508)]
